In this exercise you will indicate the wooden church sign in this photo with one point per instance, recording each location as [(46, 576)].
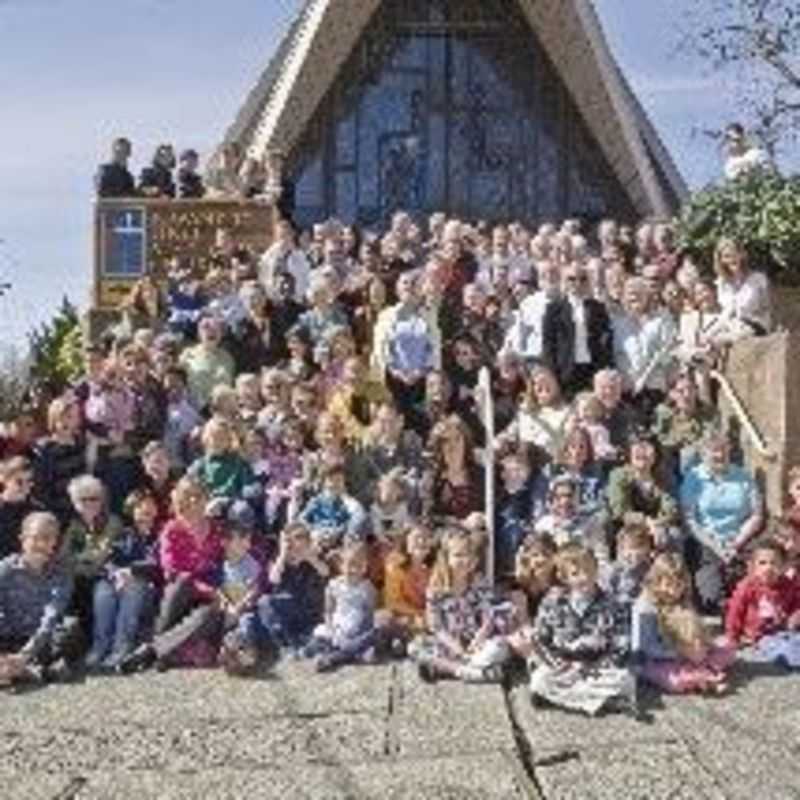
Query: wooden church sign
[(137, 237)]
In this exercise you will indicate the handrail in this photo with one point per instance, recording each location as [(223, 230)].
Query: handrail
[(487, 410), (756, 437)]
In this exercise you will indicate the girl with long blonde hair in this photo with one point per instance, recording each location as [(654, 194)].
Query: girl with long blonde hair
[(671, 646)]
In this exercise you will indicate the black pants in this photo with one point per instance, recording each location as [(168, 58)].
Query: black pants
[(66, 642), (181, 618)]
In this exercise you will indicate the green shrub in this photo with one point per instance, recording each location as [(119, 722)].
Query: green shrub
[(762, 211), (56, 347)]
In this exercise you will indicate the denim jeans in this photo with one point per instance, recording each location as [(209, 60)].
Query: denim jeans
[(285, 620), (117, 615)]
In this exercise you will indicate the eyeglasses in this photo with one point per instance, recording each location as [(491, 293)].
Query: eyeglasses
[(90, 499)]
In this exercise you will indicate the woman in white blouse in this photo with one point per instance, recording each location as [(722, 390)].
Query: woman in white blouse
[(744, 295), (542, 417), (643, 342)]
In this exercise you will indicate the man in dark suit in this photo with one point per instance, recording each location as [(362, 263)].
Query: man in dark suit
[(114, 179), (576, 334)]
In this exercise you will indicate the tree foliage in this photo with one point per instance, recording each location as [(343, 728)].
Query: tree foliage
[(55, 348), (757, 42), (13, 383), (762, 211)]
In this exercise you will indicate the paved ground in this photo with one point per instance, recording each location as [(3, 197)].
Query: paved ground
[(377, 732)]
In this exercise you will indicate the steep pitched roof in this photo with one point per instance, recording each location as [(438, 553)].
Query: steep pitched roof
[(324, 33), (241, 129)]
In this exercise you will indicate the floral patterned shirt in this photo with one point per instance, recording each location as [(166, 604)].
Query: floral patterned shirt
[(591, 629)]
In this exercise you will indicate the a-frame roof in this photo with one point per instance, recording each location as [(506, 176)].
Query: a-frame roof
[(325, 32)]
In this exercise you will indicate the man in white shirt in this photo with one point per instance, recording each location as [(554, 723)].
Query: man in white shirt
[(525, 336), (577, 340), (283, 256)]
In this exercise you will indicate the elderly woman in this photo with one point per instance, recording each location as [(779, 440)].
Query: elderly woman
[(723, 510), (643, 342), (744, 295), (637, 487), (87, 539), (403, 346), (619, 416), (542, 416)]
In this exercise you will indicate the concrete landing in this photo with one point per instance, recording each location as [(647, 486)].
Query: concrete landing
[(378, 732)]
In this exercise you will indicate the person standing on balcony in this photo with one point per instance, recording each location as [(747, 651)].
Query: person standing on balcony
[(114, 179)]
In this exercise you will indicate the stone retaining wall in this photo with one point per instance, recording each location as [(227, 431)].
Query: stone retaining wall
[(765, 374)]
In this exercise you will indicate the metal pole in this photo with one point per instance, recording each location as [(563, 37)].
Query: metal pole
[(487, 406)]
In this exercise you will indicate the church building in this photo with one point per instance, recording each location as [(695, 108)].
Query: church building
[(485, 109)]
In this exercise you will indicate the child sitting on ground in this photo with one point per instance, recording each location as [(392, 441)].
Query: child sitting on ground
[(534, 576), (294, 605), (462, 643), (579, 641), (514, 511), (238, 595), (634, 554), (333, 514), (348, 633), (283, 466), (389, 512), (126, 587), (222, 472), (670, 645), (407, 573), (36, 641), (763, 614)]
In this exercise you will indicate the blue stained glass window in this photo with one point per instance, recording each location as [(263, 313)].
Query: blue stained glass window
[(125, 243), (451, 105)]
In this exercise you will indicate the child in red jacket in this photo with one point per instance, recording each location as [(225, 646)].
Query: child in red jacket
[(763, 614)]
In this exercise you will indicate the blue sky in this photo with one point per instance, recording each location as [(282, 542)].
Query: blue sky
[(76, 73)]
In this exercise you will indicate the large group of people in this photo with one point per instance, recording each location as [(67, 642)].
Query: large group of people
[(300, 453), (236, 176)]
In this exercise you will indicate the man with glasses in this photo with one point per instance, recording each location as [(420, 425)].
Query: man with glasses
[(577, 340), (524, 338)]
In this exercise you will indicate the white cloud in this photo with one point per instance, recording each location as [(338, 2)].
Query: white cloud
[(674, 84)]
